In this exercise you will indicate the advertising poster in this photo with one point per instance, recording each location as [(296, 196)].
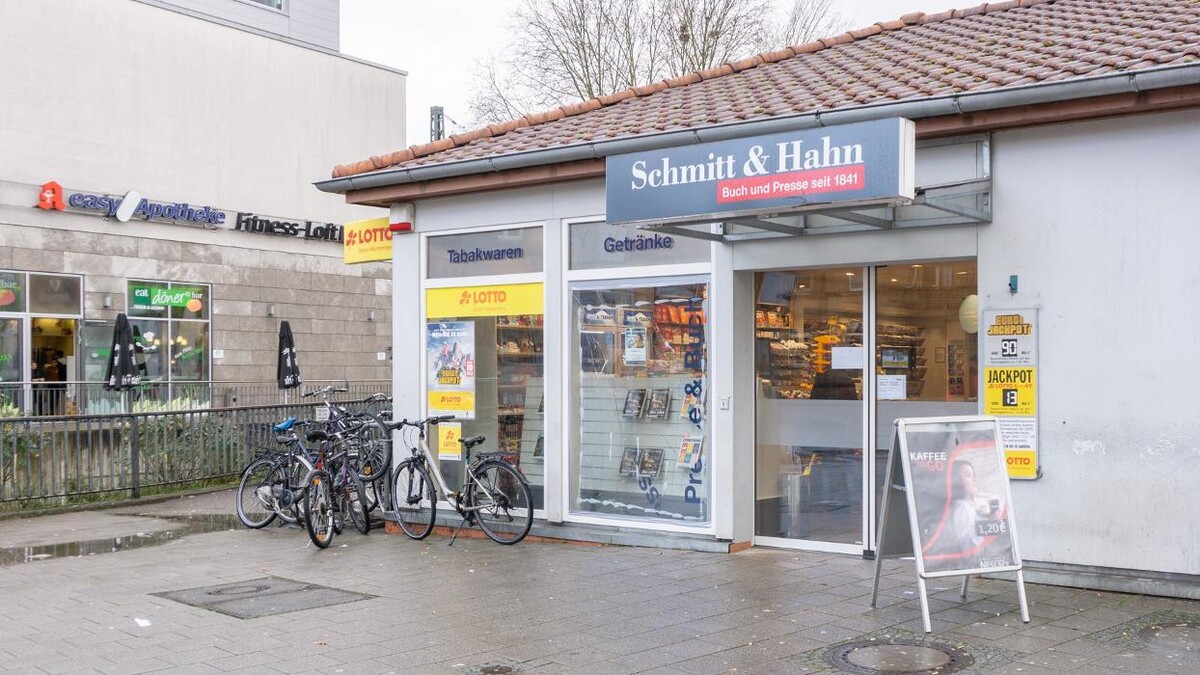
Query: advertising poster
[(448, 435), (960, 491), (450, 356), (634, 353), (1010, 369)]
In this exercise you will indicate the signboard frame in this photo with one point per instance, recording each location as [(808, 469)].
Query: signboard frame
[(974, 438), (860, 163), (1009, 355)]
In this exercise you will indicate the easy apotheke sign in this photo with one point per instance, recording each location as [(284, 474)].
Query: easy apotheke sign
[(52, 197), (859, 163)]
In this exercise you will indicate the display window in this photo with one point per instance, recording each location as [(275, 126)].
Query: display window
[(171, 330), (38, 342), (833, 347), (639, 428), (484, 364)]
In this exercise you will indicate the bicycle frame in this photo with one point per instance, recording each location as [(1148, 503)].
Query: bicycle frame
[(421, 449)]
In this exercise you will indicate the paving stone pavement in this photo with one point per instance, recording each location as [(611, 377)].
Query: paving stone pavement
[(478, 607)]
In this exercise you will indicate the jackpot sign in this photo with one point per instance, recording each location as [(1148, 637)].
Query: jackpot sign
[(868, 162), (1010, 373)]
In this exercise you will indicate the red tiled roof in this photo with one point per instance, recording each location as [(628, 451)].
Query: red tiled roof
[(991, 46)]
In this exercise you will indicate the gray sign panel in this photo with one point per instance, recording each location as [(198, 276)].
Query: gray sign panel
[(863, 162), (478, 254), (603, 246)]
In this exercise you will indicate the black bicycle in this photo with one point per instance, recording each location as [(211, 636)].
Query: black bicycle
[(333, 491), (272, 485)]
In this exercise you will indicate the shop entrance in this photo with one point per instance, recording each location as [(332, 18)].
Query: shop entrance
[(823, 422)]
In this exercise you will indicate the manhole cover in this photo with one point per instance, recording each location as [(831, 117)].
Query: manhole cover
[(897, 656), (262, 597), (1183, 635), (500, 667)]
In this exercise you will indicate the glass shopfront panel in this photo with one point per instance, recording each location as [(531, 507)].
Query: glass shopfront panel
[(639, 432), (484, 365), (811, 335), (55, 294), (12, 367), (39, 342), (809, 363), (171, 339)]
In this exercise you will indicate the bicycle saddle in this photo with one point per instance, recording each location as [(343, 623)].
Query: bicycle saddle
[(316, 435), (285, 425)]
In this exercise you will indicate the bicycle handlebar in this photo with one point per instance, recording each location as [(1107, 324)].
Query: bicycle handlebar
[(324, 390), (419, 424)]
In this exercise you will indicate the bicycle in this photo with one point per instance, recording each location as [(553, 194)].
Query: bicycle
[(332, 491), (272, 484), (494, 494)]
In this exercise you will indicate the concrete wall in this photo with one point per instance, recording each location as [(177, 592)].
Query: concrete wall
[(312, 21), (113, 95), (1098, 221)]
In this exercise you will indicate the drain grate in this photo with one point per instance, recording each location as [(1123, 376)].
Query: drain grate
[(262, 597), (1173, 634), (897, 655), (504, 667)]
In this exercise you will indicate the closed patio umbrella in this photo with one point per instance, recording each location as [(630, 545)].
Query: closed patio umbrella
[(287, 370), (122, 372)]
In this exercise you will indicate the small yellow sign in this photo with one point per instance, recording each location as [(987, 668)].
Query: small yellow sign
[(460, 403), (448, 446), (367, 241), (1010, 392), (1021, 463), (484, 301)]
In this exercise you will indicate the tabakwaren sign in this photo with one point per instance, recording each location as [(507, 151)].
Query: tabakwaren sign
[(853, 163)]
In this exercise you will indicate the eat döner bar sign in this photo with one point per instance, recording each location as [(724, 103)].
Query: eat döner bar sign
[(853, 163)]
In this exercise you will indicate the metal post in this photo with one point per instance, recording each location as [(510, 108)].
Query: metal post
[(924, 593), (437, 125), (134, 456)]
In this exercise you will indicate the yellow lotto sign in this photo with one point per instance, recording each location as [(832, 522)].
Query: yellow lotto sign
[(1021, 463), (367, 241), (484, 301), (1010, 392), (461, 403), (448, 446)]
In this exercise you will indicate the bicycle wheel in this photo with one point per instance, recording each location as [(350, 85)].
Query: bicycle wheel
[(415, 499), (374, 454), (293, 512), (501, 502), (255, 500), (360, 512), (320, 510)]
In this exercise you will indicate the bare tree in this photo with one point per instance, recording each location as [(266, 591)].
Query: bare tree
[(572, 50)]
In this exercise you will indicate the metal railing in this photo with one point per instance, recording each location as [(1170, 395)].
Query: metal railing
[(91, 398), (55, 460)]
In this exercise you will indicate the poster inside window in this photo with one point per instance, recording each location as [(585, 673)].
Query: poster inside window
[(640, 368), (483, 365)]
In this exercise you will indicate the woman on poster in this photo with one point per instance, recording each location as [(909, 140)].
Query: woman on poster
[(963, 535)]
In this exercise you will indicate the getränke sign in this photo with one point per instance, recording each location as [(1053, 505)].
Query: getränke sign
[(863, 162)]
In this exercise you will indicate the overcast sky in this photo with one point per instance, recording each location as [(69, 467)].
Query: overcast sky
[(439, 43)]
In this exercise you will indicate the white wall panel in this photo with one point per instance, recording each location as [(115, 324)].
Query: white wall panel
[(1099, 221)]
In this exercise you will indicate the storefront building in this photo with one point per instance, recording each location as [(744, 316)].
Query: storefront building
[(177, 194), (707, 326)]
